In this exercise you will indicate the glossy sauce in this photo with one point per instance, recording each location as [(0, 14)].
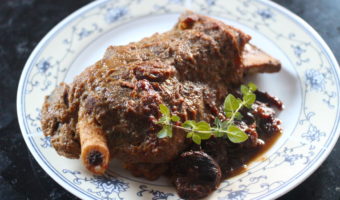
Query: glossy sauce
[(255, 156)]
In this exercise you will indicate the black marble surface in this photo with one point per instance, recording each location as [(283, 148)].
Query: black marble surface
[(23, 23)]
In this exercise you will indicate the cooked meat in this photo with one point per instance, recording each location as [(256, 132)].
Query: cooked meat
[(150, 171), (190, 69)]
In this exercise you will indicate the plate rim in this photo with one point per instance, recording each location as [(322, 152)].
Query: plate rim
[(328, 53), (308, 29)]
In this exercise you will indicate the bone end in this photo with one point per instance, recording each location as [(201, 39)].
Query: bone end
[(94, 149)]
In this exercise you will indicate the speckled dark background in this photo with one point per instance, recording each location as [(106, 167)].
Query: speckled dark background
[(23, 23)]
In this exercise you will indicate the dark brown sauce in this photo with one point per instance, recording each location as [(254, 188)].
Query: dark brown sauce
[(256, 154), (268, 129)]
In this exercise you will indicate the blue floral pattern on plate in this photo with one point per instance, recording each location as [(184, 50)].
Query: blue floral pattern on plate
[(106, 187)]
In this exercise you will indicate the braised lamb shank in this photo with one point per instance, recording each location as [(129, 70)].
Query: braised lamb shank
[(190, 69)]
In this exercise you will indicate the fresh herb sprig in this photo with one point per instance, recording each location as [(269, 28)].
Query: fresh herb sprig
[(202, 130)]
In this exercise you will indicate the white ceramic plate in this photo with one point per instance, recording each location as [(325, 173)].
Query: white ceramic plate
[(308, 84)]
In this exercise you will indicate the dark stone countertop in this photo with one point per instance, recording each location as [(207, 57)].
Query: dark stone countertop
[(23, 23)]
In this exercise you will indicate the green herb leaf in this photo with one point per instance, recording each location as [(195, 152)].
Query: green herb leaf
[(200, 130), (238, 116), (164, 110), (189, 124), (249, 99), (165, 132), (196, 139), (244, 89), (163, 120), (231, 104), (236, 135), (190, 134), (229, 114), (219, 133), (217, 122), (225, 125), (175, 118), (202, 126), (204, 136), (252, 87)]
